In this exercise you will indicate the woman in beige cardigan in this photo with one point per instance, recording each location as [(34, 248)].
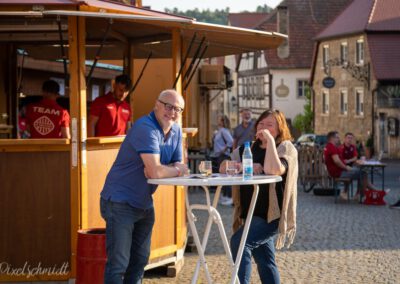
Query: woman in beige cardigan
[(275, 211)]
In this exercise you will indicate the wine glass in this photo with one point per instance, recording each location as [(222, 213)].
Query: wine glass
[(205, 168), (232, 168)]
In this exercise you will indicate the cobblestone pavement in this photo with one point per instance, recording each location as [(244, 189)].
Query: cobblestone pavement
[(335, 243)]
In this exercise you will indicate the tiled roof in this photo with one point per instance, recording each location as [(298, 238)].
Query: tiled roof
[(385, 55), (353, 20), (363, 16), (306, 19), (245, 19), (385, 16)]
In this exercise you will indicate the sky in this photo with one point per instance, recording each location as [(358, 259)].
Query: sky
[(234, 5)]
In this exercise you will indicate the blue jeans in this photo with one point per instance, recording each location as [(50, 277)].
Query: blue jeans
[(260, 245), (128, 238)]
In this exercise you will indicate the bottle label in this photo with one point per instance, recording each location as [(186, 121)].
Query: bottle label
[(247, 169)]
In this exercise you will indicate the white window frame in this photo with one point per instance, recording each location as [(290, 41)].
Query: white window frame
[(325, 101), (343, 101), (360, 51), (325, 54), (359, 101), (304, 85), (344, 53)]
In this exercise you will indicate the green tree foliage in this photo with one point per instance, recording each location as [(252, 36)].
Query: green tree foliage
[(207, 16), (213, 17), (303, 122)]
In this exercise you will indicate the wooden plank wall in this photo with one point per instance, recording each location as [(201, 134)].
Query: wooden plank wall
[(35, 209)]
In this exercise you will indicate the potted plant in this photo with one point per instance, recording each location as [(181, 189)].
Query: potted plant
[(369, 147)]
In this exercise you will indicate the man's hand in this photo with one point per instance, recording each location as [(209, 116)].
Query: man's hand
[(183, 169)]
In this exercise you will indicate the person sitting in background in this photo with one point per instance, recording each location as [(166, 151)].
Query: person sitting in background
[(275, 209), (348, 151), (337, 168), (222, 145), (47, 119), (110, 114)]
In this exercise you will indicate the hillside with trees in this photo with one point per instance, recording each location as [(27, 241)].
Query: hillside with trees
[(214, 17)]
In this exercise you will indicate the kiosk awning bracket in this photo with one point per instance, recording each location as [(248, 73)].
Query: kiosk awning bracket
[(64, 58), (184, 60), (141, 73), (97, 57), (195, 68)]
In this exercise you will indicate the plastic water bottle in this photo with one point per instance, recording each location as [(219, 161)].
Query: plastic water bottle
[(247, 161)]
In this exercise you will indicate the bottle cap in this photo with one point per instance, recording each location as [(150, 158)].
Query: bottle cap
[(247, 144)]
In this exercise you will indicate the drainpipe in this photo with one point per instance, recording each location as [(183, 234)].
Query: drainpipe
[(374, 97)]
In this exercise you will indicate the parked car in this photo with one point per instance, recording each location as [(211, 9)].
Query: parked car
[(311, 139)]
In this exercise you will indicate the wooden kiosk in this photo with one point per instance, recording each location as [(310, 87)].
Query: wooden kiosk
[(50, 188)]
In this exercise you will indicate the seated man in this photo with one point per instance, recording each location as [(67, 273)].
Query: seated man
[(348, 151), (337, 168)]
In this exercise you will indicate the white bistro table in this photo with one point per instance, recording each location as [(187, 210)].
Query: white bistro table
[(213, 215)]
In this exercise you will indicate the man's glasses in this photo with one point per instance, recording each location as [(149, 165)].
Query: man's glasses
[(170, 107)]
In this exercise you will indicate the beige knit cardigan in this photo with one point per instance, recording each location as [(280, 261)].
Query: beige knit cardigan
[(287, 222)]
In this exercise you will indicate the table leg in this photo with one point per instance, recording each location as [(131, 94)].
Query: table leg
[(196, 238), (208, 226), (244, 235)]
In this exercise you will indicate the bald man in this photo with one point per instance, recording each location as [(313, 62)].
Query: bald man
[(152, 149)]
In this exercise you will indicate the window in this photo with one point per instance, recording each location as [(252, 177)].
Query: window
[(344, 52), (343, 102), (360, 52), (325, 102), (302, 88), (325, 55), (240, 86), (359, 102)]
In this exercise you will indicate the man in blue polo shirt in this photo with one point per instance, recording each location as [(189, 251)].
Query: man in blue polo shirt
[(151, 149)]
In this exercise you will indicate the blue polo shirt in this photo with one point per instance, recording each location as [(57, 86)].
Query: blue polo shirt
[(126, 182)]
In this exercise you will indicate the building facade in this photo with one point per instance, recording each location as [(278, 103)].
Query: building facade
[(356, 79)]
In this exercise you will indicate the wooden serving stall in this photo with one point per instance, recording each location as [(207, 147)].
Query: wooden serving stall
[(50, 187)]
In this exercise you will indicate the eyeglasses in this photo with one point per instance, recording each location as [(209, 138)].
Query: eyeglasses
[(170, 107)]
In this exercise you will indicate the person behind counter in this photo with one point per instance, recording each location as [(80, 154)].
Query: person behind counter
[(152, 149), (110, 114), (47, 119)]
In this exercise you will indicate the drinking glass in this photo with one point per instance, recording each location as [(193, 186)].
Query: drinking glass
[(205, 168), (232, 168)]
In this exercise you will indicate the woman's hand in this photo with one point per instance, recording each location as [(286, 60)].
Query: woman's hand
[(258, 169), (265, 136)]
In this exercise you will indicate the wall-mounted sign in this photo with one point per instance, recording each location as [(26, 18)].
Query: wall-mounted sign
[(282, 90), (328, 82)]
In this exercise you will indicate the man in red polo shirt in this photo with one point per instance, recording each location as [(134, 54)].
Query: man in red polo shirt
[(348, 151), (110, 114), (47, 119), (337, 168)]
